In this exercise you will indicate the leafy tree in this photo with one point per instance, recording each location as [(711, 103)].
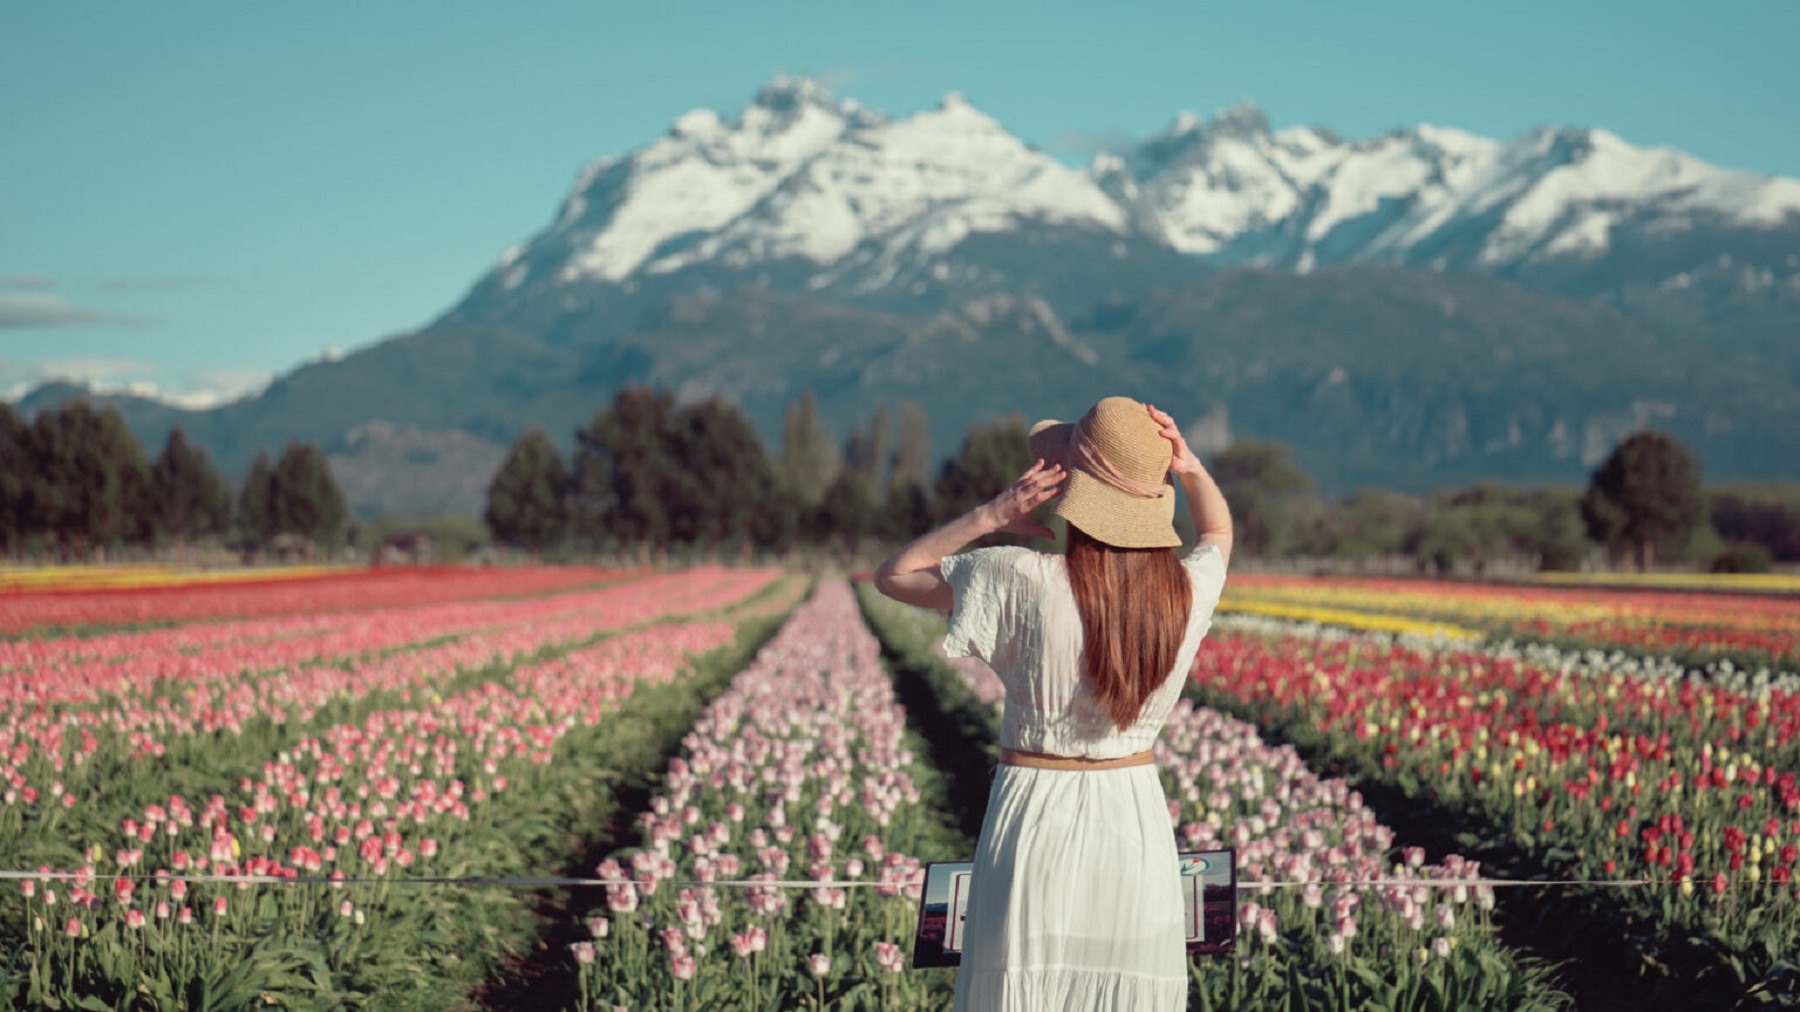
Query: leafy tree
[(624, 470), (809, 458), (1371, 523), (91, 482), (188, 497), (847, 511), (1263, 485), (1647, 491), (304, 497), (726, 486), (1766, 515), (255, 503), (527, 502), (652, 474), (906, 513), (17, 466), (991, 458)]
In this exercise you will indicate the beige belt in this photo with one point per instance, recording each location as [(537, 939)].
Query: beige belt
[(1044, 761)]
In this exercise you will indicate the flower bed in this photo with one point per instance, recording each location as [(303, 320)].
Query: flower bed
[(1693, 627), (802, 770), (69, 597), (424, 785), (1589, 772), (1334, 934)]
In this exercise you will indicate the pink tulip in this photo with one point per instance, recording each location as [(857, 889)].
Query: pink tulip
[(889, 957)]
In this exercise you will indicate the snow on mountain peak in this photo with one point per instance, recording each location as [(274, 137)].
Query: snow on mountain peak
[(919, 184), (800, 173)]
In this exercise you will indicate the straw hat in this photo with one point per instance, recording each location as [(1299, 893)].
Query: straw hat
[(1117, 491)]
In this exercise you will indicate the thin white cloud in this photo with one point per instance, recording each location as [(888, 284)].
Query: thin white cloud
[(197, 390), (206, 388), (33, 310), (34, 282)]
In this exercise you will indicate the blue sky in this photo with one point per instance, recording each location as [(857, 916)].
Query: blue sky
[(196, 195)]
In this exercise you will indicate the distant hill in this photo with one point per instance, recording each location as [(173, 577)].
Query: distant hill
[(1425, 308)]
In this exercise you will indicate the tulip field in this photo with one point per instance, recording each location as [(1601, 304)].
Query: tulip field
[(1691, 626), (714, 788), (1665, 781), (445, 738)]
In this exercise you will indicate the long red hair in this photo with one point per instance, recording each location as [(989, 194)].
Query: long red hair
[(1134, 609)]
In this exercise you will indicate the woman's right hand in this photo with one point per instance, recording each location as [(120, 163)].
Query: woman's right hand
[(1010, 511), (1183, 460)]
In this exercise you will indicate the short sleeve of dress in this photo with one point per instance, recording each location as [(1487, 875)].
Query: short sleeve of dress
[(979, 581), (1206, 565)]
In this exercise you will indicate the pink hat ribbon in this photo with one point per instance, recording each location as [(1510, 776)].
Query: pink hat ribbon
[(1086, 456)]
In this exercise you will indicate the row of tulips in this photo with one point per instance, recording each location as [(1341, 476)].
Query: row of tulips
[(53, 759), (422, 788), (802, 770), (1694, 627), (30, 603), (1336, 932), (1586, 773)]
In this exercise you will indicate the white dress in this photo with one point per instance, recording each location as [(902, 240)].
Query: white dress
[(1074, 901)]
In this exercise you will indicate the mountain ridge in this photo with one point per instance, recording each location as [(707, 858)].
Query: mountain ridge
[(808, 242)]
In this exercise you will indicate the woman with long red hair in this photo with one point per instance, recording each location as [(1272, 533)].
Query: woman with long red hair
[(1074, 900)]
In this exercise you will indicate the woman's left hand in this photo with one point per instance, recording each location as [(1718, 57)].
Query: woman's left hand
[(1010, 511)]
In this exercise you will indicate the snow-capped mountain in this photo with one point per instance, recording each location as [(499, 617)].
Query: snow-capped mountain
[(810, 192), (840, 198), (1431, 196), (1422, 308)]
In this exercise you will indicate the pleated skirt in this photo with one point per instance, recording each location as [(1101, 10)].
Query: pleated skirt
[(1074, 899)]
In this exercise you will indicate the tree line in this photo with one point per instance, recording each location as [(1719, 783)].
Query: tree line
[(75, 483), (1644, 503), (651, 474)]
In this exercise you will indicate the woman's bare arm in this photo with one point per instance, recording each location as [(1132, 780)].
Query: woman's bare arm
[(914, 575), (1206, 504)]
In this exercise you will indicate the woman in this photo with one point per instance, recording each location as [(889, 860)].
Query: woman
[(1074, 899)]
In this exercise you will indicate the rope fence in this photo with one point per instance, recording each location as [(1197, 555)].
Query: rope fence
[(545, 881)]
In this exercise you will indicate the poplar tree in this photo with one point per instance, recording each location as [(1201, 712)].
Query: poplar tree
[(255, 503), (912, 455), (188, 497), (866, 451), (809, 458)]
